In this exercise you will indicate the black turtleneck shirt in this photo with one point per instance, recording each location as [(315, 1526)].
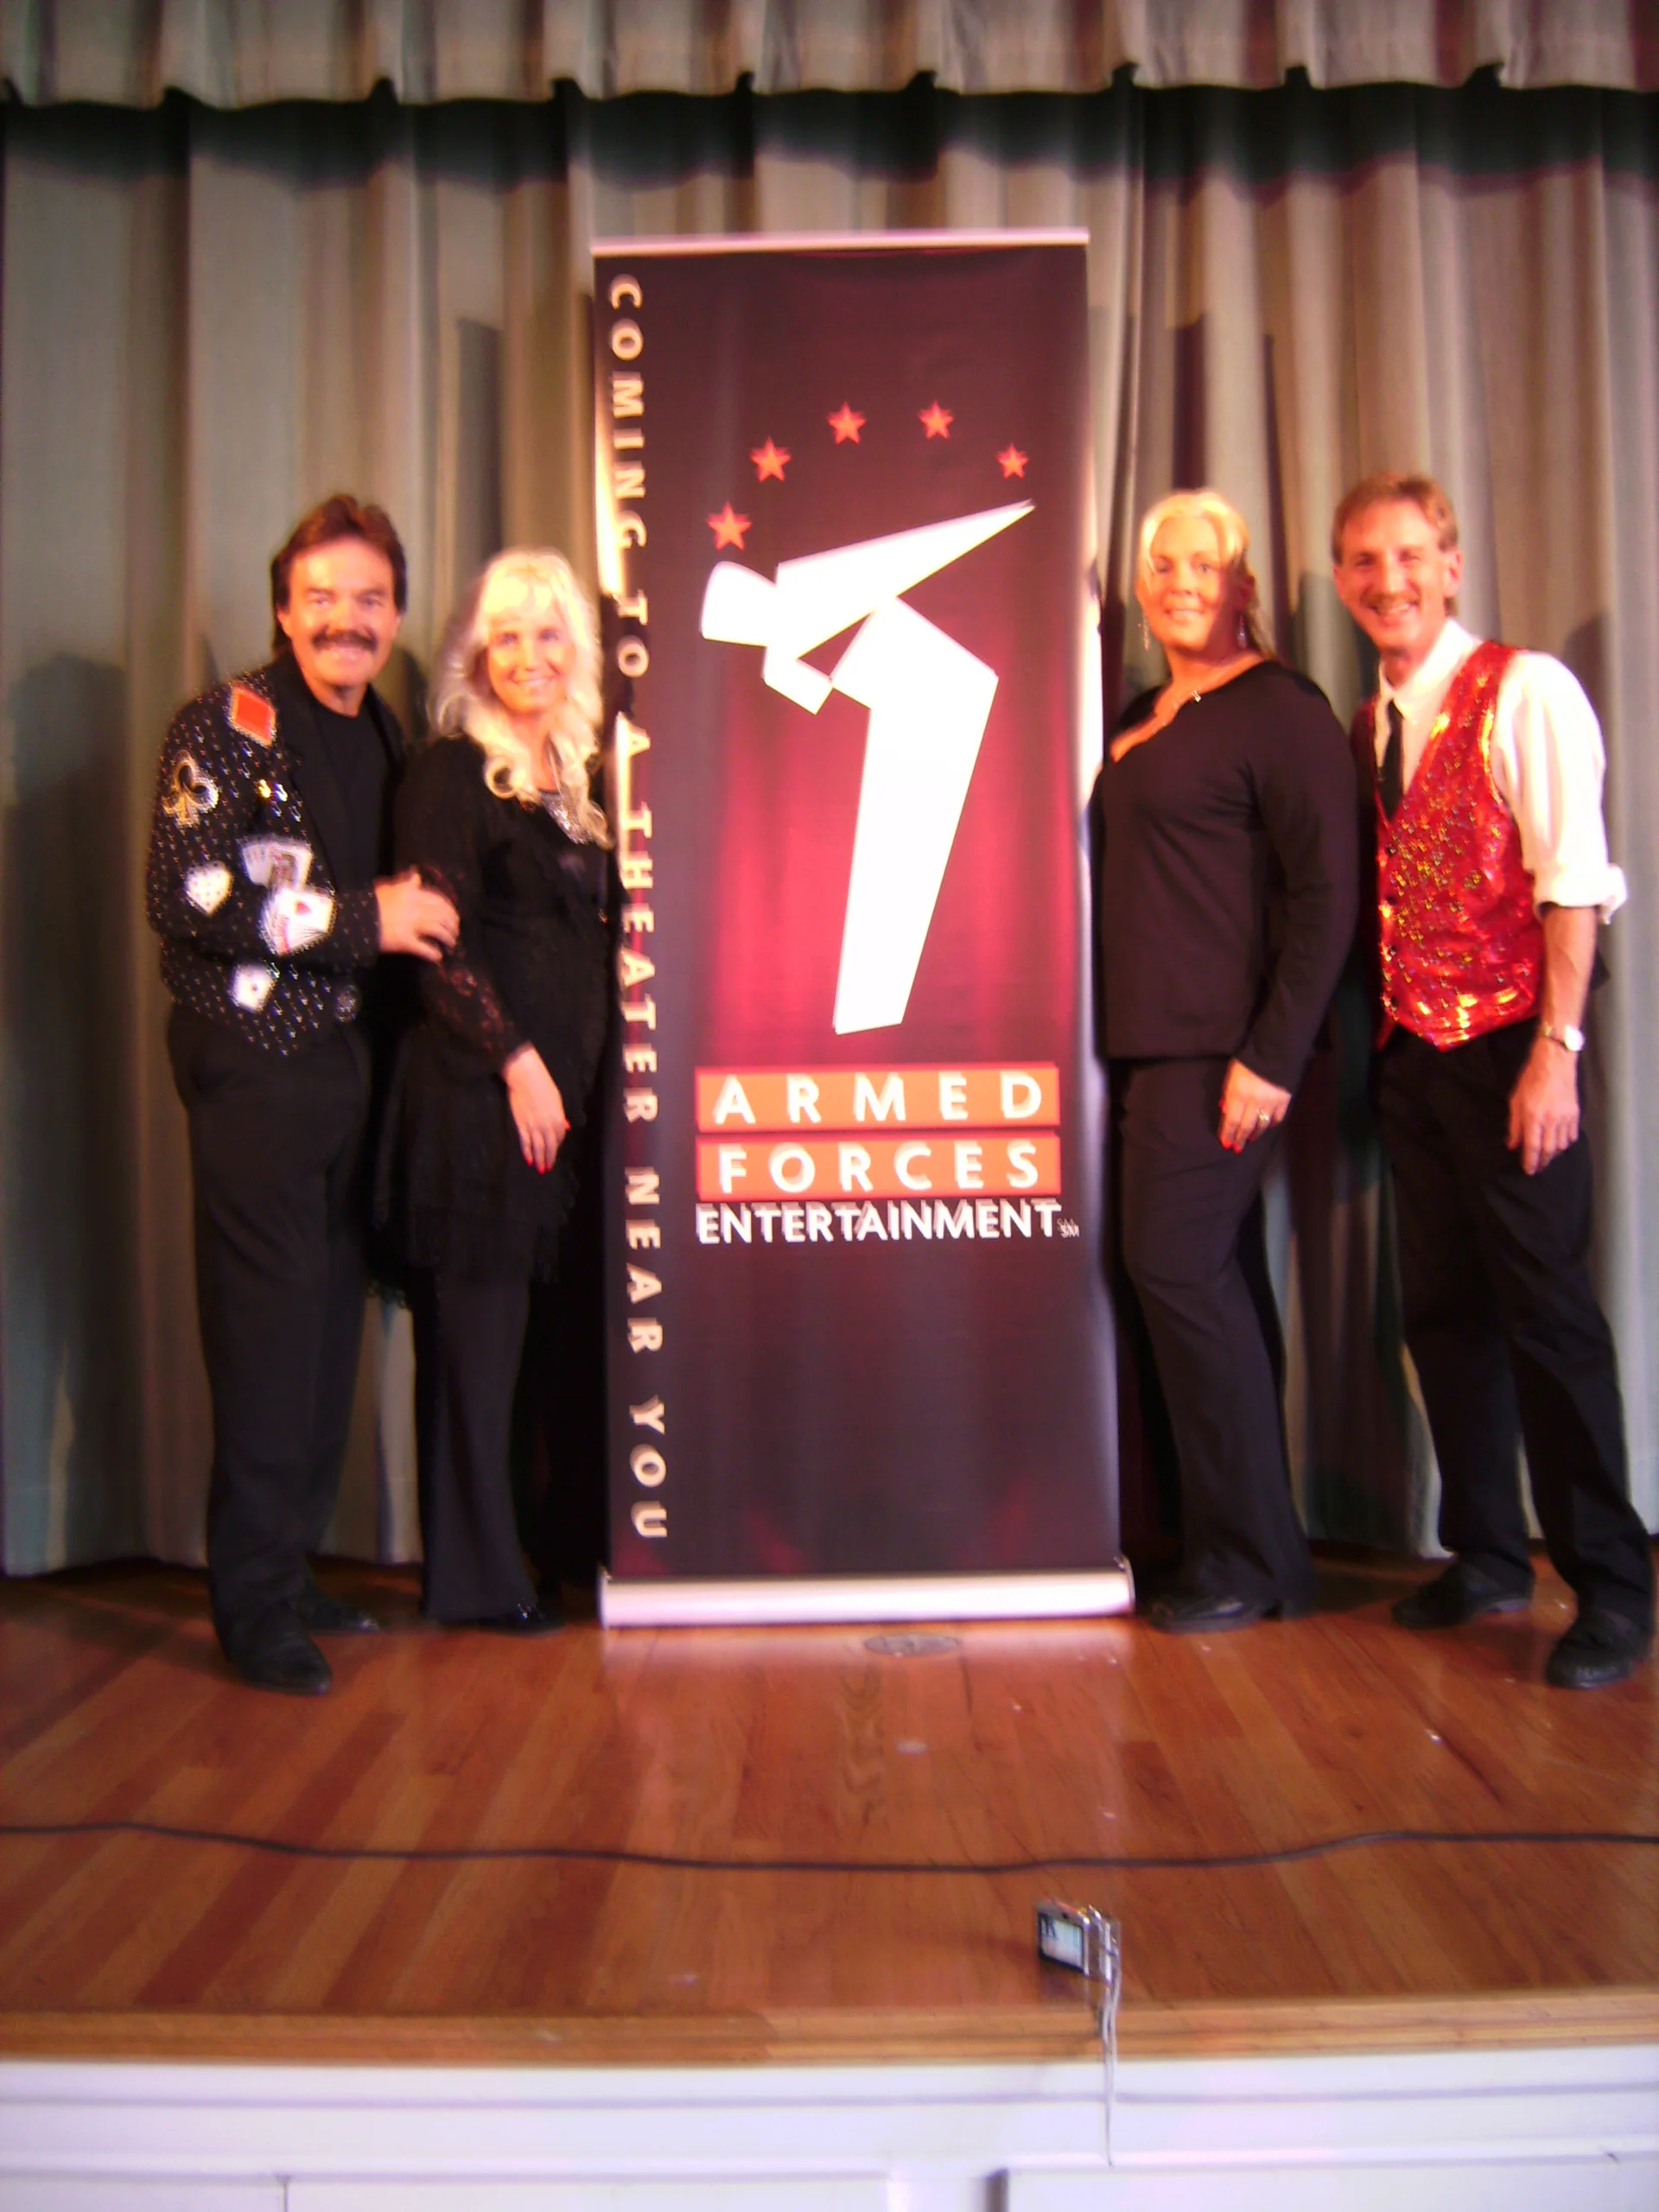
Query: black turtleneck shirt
[(353, 750)]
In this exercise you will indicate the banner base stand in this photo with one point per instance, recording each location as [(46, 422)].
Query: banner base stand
[(793, 1601)]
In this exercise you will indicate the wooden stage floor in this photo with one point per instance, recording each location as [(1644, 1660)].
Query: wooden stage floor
[(664, 1847)]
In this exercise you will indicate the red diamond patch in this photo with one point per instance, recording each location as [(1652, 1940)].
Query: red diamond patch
[(255, 717)]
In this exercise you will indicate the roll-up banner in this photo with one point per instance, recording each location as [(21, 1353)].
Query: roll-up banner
[(860, 1344)]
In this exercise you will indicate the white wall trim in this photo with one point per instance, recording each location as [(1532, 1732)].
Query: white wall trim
[(1530, 2130)]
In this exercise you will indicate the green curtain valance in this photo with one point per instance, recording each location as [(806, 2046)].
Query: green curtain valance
[(231, 53)]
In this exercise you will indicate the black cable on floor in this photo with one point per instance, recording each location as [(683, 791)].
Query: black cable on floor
[(675, 1862)]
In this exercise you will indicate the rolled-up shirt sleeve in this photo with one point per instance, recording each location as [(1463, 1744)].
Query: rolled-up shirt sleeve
[(1548, 767)]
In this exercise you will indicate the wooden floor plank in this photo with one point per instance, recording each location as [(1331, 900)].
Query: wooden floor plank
[(1004, 1743)]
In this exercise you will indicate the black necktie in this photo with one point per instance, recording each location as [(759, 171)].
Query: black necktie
[(1392, 786)]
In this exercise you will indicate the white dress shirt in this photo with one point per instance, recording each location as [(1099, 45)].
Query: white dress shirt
[(1548, 765)]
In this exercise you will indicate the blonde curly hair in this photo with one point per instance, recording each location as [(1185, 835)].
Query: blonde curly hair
[(464, 704)]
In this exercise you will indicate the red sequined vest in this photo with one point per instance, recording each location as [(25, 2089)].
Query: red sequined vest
[(1462, 948)]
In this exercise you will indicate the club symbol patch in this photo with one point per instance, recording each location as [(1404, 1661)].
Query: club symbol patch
[(190, 794)]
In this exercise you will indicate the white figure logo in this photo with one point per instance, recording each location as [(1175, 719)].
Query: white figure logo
[(929, 700)]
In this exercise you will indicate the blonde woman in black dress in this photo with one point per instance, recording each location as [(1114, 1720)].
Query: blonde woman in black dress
[(1226, 887), (498, 812)]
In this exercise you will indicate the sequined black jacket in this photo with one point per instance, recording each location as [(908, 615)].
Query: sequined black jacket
[(260, 939)]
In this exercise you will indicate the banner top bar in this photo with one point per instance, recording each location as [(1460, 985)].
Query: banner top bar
[(834, 241)]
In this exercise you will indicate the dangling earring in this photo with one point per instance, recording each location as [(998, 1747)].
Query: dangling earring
[(1146, 634), (1243, 630)]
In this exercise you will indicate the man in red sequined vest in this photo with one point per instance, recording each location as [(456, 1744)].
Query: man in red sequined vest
[(1483, 769)]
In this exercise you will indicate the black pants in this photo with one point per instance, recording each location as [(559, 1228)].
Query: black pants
[(469, 1339), (277, 1154), (1187, 1210), (559, 1447), (1500, 1318)]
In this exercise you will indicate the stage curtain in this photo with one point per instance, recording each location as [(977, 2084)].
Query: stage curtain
[(208, 318), (244, 53)]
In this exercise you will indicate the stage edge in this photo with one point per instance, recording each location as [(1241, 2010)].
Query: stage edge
[(792, 1601)]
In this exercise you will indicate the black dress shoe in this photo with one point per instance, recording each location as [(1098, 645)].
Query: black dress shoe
[(1201, 1612), (326, 1616), (517, 1620), (1600, 1647), (1459, 1594), (282, 1658)]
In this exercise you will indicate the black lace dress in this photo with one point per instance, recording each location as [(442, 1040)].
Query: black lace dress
[(532, 967)]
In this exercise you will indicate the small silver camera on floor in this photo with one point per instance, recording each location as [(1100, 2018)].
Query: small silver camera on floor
[(1077, 1936)]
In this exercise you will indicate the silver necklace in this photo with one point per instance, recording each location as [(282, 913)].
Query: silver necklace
[(556, 803), (557, 806)]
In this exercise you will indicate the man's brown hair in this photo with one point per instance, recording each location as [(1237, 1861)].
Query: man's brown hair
[(338, 516), (1387, 487)]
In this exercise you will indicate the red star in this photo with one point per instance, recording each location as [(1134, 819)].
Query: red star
[(845, 425), (768, 461), (729, 528), (937, 421), (1013, 462)]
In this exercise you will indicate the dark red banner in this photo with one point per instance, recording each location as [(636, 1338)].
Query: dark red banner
[(858, 1322)]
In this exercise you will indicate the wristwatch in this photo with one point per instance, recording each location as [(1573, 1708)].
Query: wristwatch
[(1570, 1038)]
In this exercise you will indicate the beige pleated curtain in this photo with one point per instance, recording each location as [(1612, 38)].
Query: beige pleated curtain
[(211, 316), (240, 53)]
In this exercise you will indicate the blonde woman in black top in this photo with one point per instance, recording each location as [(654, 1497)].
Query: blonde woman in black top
[(499, 813), (1225, 866)]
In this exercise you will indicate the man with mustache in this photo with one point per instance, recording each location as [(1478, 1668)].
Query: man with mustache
[(269, 886), (1482, 769)]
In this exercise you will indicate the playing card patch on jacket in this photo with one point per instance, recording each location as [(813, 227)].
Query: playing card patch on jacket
[(277, 863), (190, 794), (253, 716), (295, 917), (207, 887), (251, 986)]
